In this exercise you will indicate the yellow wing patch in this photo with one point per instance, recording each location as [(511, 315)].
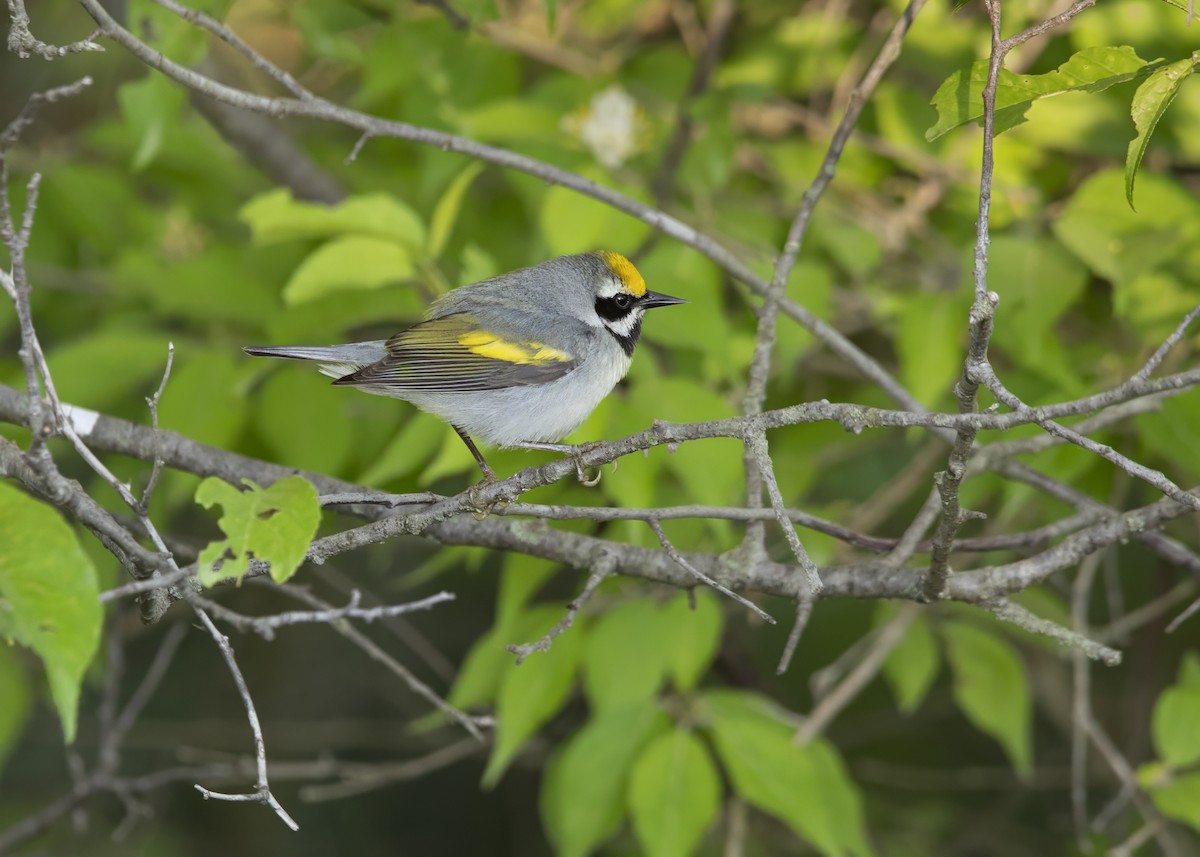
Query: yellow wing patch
[(487, 344), (625, 272)]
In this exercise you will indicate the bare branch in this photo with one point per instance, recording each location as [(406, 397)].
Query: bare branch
[(143, 506), (231, 38), (803, 612), (603, 570), (23, 43), (376, 653), (757, 444), (832, 704), (265, 626), (674, 554), (262, 788)]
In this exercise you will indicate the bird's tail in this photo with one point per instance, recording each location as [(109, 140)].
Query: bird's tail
[(336, 360)]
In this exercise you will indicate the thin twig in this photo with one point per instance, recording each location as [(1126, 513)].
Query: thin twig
[(756, 443), (1184, 616), (832, 704), (376, 653), (1081, 700), (1159, 353), (1009, 611), (143, 508), (23, 43), (262, 788), (600, 572), (804, 608), (211, 25), (265, 626), (687, 566), (361, 779), (765, 333)]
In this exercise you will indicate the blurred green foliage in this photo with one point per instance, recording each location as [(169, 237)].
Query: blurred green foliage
[(650, 723)]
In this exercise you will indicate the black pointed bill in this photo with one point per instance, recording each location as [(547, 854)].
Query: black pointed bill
[(653, 299)]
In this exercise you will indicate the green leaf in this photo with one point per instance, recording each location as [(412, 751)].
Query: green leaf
[(574, 223), (1040, 281), (15, 701), (303, 420), (1120, 244), (98, 370), (805, 787), (931, 342), (1179, 799), (691, 637), (673, 794), (481, 671), (353, 262), (991, 688), (532, 693), (522, 577), (1176, 714), (582, 797), (276, 216), (912, 666), (411, 449), (445, 213), (149, 105), (1150, 104), (959, 99), (625, 659), (274, 525), (202, 399), (49, 598)]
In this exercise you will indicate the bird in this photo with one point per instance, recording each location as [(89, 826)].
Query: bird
[(516, 361)]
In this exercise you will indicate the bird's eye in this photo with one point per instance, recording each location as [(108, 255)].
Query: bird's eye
[(622, 301)]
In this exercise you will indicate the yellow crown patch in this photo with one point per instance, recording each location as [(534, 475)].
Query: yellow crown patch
[(625, 272)]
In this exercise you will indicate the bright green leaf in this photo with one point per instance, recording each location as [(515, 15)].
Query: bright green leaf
[(276, 216), (352, 262), (959, 99), (522, 577), (149, 105), (532, 693), (202, 399), (274, 525), (1120, 244), (1150, 104), (625, 660), (912, 666), (15, 701), (691, 637), (98, 370), (49, 599), (476, 681), (445, 213), (582, 798), (1179, 799), (805, 787), (302, 418), (574, 223), (1176, 715), (674, 792), (991, 688), (409, 451)]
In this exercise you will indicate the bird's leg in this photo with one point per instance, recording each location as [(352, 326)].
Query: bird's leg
[(489, 475), (576, 453)]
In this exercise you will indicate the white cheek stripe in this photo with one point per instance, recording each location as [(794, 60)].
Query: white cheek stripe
[(624, 326)]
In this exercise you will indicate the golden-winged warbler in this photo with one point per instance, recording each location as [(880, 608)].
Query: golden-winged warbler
[(519, 360)]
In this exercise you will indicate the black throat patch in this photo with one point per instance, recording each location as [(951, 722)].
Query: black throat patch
[(629, 341)]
